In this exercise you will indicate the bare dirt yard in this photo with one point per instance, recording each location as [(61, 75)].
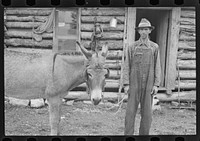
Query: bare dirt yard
[(87, 119)]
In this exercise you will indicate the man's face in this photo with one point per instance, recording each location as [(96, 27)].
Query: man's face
[(144, 32)]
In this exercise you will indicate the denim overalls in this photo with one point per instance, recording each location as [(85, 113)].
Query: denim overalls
[(141, 78)]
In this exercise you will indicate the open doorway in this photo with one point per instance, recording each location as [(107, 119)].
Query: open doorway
[(159, 19)]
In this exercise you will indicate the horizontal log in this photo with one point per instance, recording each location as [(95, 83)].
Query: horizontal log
[(187, 45), (112, 44), (25, 18), (189, 95), (187, 21), (188, 28), (26, 34), (187, 74), (162, 97), (188, 14), (29, 11), (106, 35), (114, 55), (114, 85), (101, 19), (186, 55), (29, 50), (187, 64), (103, 11), (28, 43), (114, 74), (114, 66), (105, 27), (22, 24), (186, 37), (186, 84)]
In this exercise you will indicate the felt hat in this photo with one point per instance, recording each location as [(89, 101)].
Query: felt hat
[(144, 23)]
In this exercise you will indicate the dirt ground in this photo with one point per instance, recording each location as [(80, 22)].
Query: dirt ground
[(87, 119)]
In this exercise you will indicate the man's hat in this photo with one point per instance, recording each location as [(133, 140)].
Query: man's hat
[(144, 23)]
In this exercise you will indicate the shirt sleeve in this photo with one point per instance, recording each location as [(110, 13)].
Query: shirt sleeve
[(127, 66), (157, 71)]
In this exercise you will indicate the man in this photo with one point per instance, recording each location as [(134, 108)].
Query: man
[(142, 75)]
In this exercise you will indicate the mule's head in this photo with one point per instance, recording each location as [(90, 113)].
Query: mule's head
[(96, 82), (96, 73)]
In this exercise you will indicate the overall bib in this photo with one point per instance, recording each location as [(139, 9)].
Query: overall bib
[(141, 84)]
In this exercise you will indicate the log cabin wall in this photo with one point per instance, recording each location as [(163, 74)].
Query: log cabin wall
[(186, 57), (19, 25)]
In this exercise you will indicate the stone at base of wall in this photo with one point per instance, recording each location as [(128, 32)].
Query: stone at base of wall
[(34, 103), (37, 103), (18, 102)]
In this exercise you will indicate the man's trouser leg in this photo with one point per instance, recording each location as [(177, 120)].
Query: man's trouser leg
[(131, 111), (146, 114)]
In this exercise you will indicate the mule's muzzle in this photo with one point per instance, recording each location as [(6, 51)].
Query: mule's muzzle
[(96, 101), (96, 96)]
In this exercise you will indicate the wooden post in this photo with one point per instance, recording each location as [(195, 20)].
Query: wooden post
[(123, 53), (55, 40), (172, 48), (131, 21), (79, 28)]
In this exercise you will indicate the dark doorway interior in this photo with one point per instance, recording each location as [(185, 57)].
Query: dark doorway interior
[(160, 20)]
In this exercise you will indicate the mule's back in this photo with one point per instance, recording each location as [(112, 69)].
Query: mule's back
[(26, 74)]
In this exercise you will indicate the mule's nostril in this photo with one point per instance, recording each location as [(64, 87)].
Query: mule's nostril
[(96, 101)]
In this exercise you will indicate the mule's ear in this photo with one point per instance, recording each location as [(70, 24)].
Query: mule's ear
[(108, 73), (104, 50), (84, 51)]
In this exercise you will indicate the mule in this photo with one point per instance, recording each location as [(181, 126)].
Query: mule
[(53, 76)]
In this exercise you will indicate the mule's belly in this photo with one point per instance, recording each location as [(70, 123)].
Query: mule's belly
[(25, 93)]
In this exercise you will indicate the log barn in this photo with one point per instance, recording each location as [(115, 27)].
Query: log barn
[(57, 29)]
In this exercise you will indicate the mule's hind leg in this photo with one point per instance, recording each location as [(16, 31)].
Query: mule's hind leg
[(54, 114)]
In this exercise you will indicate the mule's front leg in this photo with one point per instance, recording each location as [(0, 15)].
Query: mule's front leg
[(54, 114)]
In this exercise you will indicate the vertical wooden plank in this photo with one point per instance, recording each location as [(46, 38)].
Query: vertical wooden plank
[(131, 21), (79, 28), (172, 48), (55, 40)]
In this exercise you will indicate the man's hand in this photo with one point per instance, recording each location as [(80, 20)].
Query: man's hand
[(126, 88), (154, 90)]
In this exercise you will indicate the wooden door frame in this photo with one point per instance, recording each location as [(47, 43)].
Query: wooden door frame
[(173, 38)]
